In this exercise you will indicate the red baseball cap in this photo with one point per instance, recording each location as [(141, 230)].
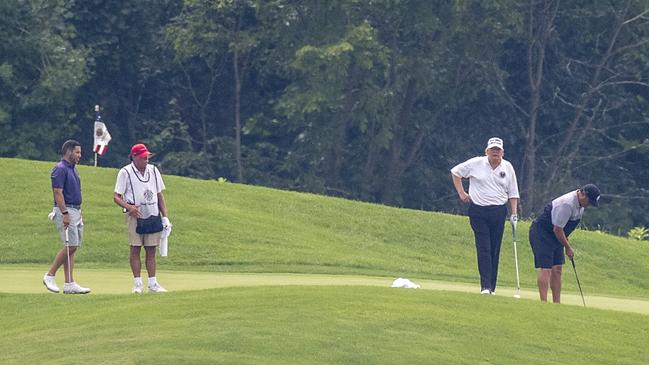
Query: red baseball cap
[(140, 150)]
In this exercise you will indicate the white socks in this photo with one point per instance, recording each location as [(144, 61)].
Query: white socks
[(138, 281)]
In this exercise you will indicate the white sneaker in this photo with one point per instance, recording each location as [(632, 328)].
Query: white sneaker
[(74, 288), (493, 293), (137, 289), (50, 283), (156, 288), (485, 291)]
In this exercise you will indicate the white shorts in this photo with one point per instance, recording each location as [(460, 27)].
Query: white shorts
[(75, 228)]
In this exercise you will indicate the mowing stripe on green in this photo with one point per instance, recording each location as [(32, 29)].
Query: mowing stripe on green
[(27, 279)]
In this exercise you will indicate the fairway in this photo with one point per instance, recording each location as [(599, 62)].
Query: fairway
[(263, 276), (21, 279), (295, 324)]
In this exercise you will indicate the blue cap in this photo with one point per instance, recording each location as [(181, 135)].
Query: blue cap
[(593, 194)]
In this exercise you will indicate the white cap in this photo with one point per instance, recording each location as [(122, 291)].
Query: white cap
[(495, 142)]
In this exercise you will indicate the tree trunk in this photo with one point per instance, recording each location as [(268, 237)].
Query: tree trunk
[(336, 159), (537, 43), (367, 185), (395, 164), (559, 161), (202, 104), (131, 109), (237, 108)]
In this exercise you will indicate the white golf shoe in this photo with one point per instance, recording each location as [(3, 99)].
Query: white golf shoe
[(485, 291), (50, 283), (156, 288), (74, 288), (137, 289)]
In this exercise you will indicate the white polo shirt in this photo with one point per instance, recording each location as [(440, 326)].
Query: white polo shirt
[(566, 208), (140, 189), (488, 186)]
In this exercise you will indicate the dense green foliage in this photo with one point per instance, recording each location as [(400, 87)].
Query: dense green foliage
[(239, 228), (369, 100)]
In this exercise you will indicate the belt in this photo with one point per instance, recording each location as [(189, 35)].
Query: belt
[(488, 206), (73, 206)]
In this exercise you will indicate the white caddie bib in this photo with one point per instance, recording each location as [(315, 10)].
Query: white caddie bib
[(140, 190)]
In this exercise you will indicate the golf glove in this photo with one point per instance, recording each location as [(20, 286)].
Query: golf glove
[(513, 219), (166, 223)]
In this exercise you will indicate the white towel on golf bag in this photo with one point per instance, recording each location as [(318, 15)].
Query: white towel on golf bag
[(404, 283), (164, 237)]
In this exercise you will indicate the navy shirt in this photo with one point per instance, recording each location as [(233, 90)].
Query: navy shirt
[(65, 176)]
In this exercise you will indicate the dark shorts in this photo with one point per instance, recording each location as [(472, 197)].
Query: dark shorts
[(548, 251)]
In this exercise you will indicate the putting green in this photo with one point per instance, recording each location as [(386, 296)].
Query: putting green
[(27, 279)]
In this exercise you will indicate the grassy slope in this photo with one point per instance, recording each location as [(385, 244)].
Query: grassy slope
[(228, 227), (232, 227)]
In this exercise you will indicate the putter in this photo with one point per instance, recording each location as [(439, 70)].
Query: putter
[(518, 279), (578, 283), (67, 248)]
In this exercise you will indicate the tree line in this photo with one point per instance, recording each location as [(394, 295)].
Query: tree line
[(372, 100)]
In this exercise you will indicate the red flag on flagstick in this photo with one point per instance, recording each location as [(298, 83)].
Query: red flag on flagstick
[(102, 137)]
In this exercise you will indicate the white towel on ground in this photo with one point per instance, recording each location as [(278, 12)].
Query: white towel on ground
[(404, 283)]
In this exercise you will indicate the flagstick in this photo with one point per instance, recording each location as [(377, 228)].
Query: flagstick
[(102, 137)]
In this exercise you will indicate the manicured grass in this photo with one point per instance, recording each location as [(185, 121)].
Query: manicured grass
[(238, 228), (233, 229), (310, 325), (26, 279)]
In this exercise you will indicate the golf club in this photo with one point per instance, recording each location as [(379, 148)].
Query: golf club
[(578, 283), (518, 280), (67, 248)]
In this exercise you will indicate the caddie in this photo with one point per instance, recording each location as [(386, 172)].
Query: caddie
[(138, 190)]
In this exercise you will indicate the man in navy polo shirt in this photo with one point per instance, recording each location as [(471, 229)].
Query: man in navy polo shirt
[(549, 236), (66, 187)]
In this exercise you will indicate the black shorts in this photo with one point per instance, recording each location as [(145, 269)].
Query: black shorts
[(548, 251)]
